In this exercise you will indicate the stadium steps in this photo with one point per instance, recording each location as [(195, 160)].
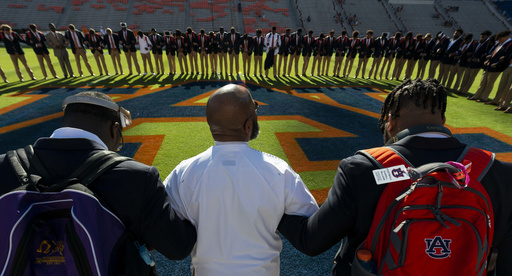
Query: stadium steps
[(370, 15), (419, 18), (475, 16)]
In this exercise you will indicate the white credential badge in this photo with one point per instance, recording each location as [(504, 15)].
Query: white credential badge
[(390, 175)]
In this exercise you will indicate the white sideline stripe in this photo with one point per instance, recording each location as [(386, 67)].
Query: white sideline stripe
[(16, 225)]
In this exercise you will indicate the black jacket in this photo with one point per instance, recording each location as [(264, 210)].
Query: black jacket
[(131, 190), (350, 206), (13, 47)]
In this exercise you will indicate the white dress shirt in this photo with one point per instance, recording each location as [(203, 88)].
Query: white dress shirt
[(273, 43), (235, 196), (143, 44)]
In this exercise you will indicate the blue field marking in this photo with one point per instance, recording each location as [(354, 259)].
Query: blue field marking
[(52, 103), (485, 142), (352, 96)]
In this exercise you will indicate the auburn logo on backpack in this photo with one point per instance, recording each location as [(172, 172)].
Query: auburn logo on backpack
[(438, 248)]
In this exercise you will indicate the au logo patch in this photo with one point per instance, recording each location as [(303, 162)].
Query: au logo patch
[(438, 248)]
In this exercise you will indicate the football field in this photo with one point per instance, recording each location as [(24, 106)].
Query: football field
[(311, 122)]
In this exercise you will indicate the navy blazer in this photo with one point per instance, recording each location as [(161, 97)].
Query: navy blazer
[(94, 43), (129, 41), (107, 43), (296, 46), (69, 37), (13, 47), (258, 44), (33, 40)]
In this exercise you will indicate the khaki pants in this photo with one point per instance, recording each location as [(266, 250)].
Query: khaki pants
[(399, 65), (387, 61), (361, 65), (172, 63), (486, 85), (14, 59), (100, 59), (234, 56), (41, 59), (469, 77), (460, 76), (258, 64), (116, 60), (182, 59), (294, 58), (349, 62), (203, 56), (80, 53), (192, 58), (146, 58), (246, 61), (422, 64), (159, 63), (305, 64), (132, 56), (375, 67), (504, 86), (433, 67)]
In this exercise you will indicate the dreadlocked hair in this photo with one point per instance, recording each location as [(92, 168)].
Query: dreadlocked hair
[(422, 92)]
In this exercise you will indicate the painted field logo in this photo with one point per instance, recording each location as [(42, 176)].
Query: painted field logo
[(398, 172), (438, 248)]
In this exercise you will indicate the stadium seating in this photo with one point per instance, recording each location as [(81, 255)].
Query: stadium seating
[(472, 15)]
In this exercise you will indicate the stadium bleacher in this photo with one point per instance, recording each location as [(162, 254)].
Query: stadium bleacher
[(418, 16)]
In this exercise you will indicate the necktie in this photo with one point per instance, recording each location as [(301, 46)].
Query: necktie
[(353, 42), (245, 46), (179, 43), (495, 51), (112, 44), (125, 35), (272, 45), (368, 43), (57, 38), (233, 39), (75, 39), (202, 41), (94, 38)]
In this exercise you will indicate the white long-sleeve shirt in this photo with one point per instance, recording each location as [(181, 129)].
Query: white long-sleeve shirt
[(144, 43), (276, 42), (235, 196)]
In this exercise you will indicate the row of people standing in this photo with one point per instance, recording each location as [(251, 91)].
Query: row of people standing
[(455, 61)]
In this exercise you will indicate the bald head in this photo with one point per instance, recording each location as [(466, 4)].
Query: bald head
[(231, 114)]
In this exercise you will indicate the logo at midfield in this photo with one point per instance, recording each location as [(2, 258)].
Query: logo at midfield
[(438, 248), (398, 172)]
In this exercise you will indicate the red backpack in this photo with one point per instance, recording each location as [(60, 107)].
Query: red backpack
[(426, 222)]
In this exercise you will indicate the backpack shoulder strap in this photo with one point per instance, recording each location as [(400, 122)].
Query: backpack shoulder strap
[(481, 160), (96, 165), (17, 166), (385, 156)]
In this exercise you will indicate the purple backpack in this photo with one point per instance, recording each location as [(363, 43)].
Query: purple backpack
[(57, 226)]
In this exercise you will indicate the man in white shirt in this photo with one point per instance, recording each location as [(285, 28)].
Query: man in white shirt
[(272, 42), (145, 50), (234, 195)]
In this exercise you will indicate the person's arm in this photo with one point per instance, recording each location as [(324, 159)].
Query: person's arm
[(327, 226), (161, 226)]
